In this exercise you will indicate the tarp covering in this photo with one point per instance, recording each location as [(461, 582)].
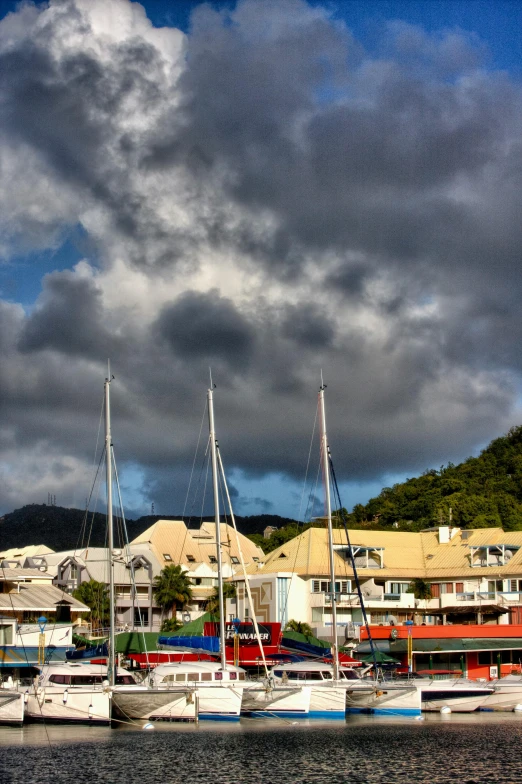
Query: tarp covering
[(380, 658), (192, 643), (92, 652), (136, 642), (305, 643), (195, 628), (444, 644)]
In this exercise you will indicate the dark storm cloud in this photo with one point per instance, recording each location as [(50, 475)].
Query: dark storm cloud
[(69, 319), (203, 326), (369, 211), (306, 325)]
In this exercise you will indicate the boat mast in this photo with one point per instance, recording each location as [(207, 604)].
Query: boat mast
[(111, 668), (328, 504), (213, 452)]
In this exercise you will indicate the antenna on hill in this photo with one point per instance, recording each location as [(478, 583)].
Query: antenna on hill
[(152, 508)]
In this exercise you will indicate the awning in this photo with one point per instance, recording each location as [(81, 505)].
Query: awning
[(443, 645)]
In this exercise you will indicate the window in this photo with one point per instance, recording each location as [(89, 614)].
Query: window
[(190, 558), (125, 680), (61, 679), (246, 613), (6, 634), (233, 676), (255, 559), (234, 559), (212, 559), (180, 676), (317, 614), (167, 557), (142, 590), (495, 585), (141, 616), (74, 571), (447, 588), (435, 590), (193, 676), (218, 676), (515, 585), (399, 588), (459, 587), (206, 676), (324, 586), (85, 680)]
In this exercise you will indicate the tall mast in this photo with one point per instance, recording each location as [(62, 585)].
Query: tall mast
[(218, 530), (328, 504), (111, 669)]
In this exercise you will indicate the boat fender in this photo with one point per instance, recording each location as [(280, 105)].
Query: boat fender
[(419, 718), (65, 696), (445, 709), (517, 708), (148, 726)]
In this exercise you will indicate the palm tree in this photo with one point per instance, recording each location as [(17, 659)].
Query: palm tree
[(229, 592), (96, 596), (172, 588), (300, 627)]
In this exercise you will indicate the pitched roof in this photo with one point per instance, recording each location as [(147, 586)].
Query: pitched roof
[(188, 546), (405, 555), (38, 598)]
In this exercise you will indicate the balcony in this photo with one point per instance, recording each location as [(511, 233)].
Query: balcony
[(474, 599), (380, 600)]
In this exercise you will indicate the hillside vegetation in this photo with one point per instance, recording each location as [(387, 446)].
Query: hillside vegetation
[(482, 492), (61, 528)]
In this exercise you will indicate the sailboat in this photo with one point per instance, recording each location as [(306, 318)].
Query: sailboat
[(184, 691), (337, 689)]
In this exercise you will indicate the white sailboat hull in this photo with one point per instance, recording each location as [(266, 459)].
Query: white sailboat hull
[(328, 702), (215, 703), (282, 702), (153, 704), (12, 707), (384, 699), (77, 705), (507, 695)]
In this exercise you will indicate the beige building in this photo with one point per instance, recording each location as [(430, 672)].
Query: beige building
[(474, 576), (172, 542)]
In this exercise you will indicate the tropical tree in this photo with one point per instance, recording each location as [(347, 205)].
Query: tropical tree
[(300, 627), (172, 588), (96, 596), (170, 625), (229, 592), (420, 588)]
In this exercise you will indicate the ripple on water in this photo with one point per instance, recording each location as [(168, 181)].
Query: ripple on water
[(360, 752)]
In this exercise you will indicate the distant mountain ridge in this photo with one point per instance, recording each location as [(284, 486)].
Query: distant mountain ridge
[(61, 528)]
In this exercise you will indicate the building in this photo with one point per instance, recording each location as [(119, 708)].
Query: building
[(171, 541), (166, 542), (475, 576)]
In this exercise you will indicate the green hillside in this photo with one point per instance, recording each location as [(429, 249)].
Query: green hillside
[(482, 492)]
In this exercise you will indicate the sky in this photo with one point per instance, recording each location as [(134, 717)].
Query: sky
[(273, 189)]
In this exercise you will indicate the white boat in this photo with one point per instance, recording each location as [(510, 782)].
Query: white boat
[(267, 700), (184, 691), (72, 692), (12, 706), (459, 694), (506, 695), (350, 693)]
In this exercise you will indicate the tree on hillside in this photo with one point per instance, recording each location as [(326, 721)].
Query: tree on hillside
[(170, 625), (300, 627), (172, 588), (96, 596)]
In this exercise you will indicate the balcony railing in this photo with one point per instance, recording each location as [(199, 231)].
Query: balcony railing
[(475, 599), (322, 599)]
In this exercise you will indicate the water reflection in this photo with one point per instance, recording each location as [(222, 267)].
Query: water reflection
[(464, 748)]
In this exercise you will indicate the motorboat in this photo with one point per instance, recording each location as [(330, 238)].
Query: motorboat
[(506, 695), (461, 695)]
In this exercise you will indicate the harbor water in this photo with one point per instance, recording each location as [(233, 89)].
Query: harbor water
[(465, 749)]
